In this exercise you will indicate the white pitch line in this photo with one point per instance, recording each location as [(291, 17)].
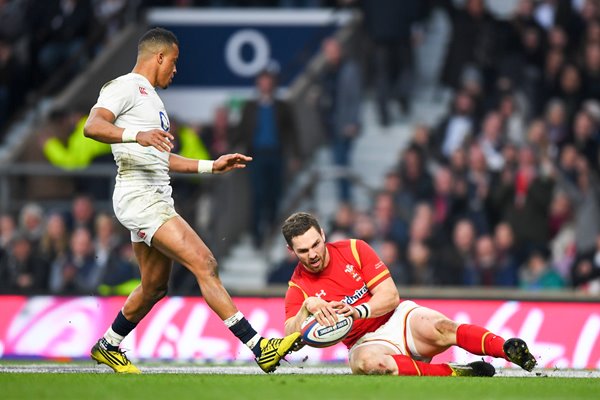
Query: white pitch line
[(44, 368)]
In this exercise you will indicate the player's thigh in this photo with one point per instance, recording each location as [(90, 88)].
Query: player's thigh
[(431, 331), (371, 359), (177, 240), (155, 267)]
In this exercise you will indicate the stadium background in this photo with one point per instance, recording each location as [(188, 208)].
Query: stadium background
[(45, 177)]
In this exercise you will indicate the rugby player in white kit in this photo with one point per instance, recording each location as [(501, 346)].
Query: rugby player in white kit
[(130, 116)]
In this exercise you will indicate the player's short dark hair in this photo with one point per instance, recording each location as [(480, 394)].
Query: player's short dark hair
[(157, 36), (298, 224)]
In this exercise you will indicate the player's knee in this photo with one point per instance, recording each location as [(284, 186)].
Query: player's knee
[(372, 364), (208, 267), (446, 330)]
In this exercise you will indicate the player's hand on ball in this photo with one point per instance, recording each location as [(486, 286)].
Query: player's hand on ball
[(157, 138), (228, 162), (344, 309)]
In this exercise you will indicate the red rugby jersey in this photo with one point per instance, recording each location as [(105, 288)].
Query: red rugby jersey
[(354, 269)]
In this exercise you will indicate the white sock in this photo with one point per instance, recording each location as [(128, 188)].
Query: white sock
[(113, 338), (252, 342), (234, 319)]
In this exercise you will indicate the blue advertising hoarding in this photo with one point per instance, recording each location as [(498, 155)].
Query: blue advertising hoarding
[(222, 51)]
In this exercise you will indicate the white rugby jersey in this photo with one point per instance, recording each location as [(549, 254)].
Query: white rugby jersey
[(136, 105)]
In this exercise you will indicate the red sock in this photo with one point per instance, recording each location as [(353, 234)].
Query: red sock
[(479, 341), (409, 367)]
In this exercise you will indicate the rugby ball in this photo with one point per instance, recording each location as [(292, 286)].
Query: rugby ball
[(317, 335)]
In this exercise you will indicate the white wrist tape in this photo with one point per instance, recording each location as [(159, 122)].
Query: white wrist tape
[(364, 310), (129, 135), (205, 166)]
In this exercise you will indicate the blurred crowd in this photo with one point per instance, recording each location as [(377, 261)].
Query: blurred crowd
[(43, 44), (75, 251), (502, 191)]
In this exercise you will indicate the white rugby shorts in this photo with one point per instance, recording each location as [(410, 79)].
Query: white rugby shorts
[(395, 333), (143, 209)]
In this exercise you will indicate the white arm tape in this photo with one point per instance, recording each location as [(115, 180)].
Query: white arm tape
[(364, 310), (129, 135), (205, 166)]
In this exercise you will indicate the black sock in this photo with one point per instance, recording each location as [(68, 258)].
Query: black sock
[(244, 331), (122, 325)]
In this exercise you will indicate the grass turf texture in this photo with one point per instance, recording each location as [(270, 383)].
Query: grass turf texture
[(289, 387)]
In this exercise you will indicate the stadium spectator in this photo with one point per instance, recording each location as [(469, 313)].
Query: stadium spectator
[(8, 229), (393, 30), (456, 262), (583, 194), (77, 271), (31, 223), (343, 221), (457, 127), (66, 29), (562, 234), (486, 263), (350, 269), (474, 40), (538, 273), (267, 131), (78, 152), (446, 204), (585, 274), (82, 213), (339, 105), (281, 272), (122, 274), (387, 222), (507, 261), (420, 267), (106, 240), (491, 141), (55, 239), (585, 138), (159, 235), (416, 179), (218, 134), (21, 270), (390, 255), (523, 198)]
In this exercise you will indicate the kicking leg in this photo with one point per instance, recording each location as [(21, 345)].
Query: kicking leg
[(177, 240)]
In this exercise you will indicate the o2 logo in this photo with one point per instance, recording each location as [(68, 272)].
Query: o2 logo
[(164, 121), (260, 48)]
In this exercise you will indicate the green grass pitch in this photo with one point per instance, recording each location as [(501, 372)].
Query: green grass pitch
[(289, 387)]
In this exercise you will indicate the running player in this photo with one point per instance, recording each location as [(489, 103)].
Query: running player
[(131, 117), (388, 336)]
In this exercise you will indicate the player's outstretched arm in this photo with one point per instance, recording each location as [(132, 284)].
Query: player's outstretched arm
[(100, 126), (221, 165)]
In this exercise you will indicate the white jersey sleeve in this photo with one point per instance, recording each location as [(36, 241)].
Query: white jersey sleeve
[(116, 97), (136, 105)]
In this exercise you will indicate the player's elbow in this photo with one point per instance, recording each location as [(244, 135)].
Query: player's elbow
[(394, 299), (88, 129)]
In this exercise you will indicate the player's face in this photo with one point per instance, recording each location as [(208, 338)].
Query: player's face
[(311, 250), (168, 67)]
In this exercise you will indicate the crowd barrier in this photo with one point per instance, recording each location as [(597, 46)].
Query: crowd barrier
[(560, 334)]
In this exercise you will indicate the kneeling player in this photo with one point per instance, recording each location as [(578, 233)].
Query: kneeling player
[(388, 336)]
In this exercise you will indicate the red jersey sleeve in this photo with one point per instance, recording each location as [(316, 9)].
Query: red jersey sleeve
[(294, 297), (374, 271)]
